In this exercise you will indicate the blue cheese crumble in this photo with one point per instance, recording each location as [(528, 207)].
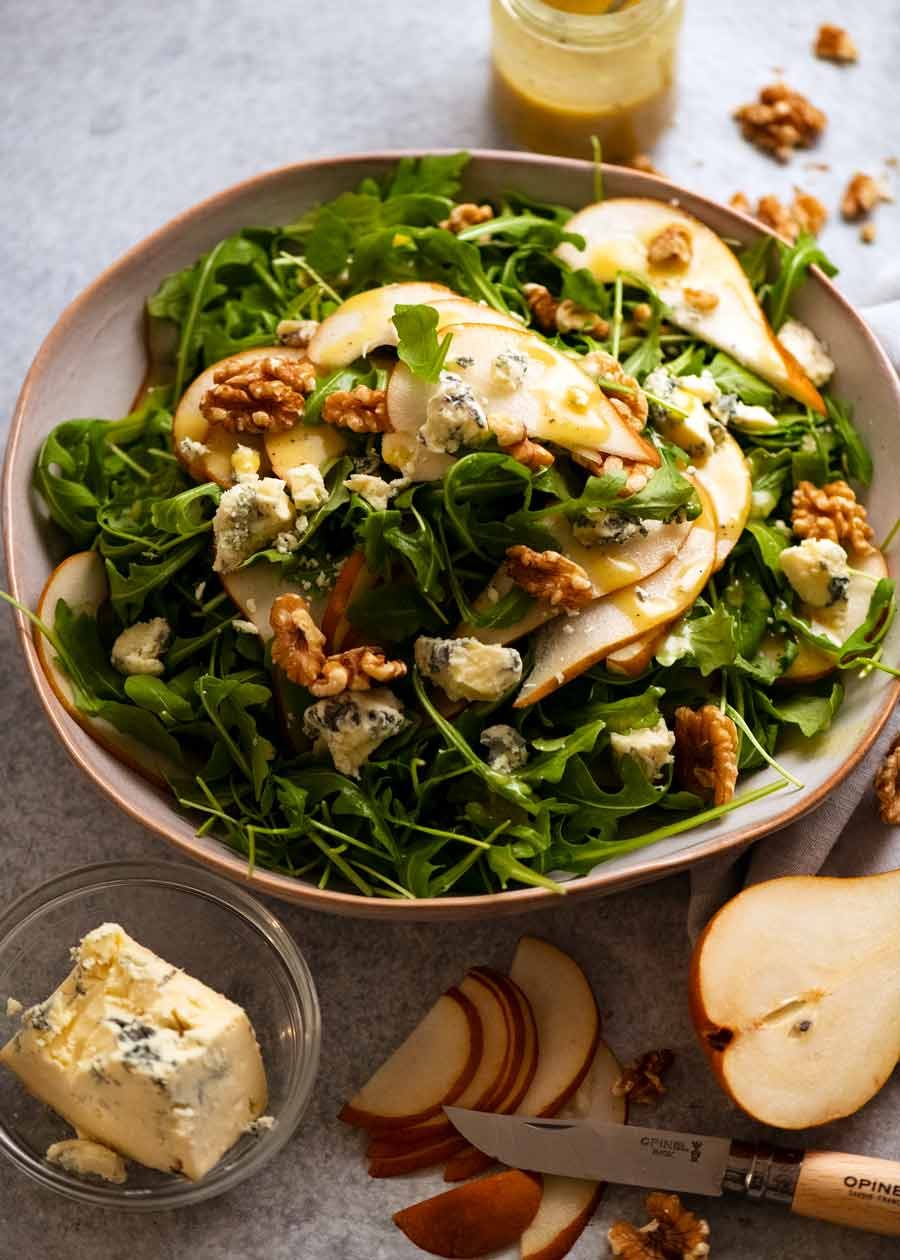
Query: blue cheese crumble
[(505, 749), (599, 527), (375, 490), (138, 649), (467, 669), (650, 746), (454, 418), (510, 368), (807, 349), (307, 487), (353, 724), (817, 570), (250, 515)]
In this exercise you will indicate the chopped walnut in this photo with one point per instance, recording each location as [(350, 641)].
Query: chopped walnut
[(809, 212), (562, 316), (804, 214), (868, 233), (636, 475), (833, 43), (780, 121), (887, 784), (831, 511), (706, 745), (265, 395), (740, 201), (467, 214), (299, 649), (642, 162), (361, 410), (631, 405), (701, 299), (672, 1233), (642, 1081), (531, 454), (861, 196), (670, 247), (549, 576), (297, 332), (642, 313)]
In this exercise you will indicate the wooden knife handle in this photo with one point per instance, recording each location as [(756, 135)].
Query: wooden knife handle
[(851, 1190)]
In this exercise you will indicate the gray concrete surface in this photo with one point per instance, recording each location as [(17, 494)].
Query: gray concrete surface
[(113, 117)]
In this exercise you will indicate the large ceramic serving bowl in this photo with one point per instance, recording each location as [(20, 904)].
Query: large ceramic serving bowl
[(93, 361)]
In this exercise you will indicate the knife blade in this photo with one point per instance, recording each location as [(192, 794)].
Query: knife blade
[(624, 1153)]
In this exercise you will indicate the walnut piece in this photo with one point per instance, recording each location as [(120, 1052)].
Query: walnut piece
[(361, 410), (467, 214), (531, 454), (265, 395), (868, 233), (706, 745), (642, 162), (299, 649), (831, 511), (861, 196), (549, 576), (740, 201), (636, 475), (642, 1081), (780, 121), (887, 784), (297, 332), (670, 247), (804, 214), (632, 403), (672, 1233), (562, 316), (833, 43), (701, 300)]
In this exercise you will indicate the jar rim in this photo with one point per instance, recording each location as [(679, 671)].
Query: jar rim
[(589, 30)]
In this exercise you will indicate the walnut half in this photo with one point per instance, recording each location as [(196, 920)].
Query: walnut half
[(887, 784), (642, 1081), (706, 746), (781, 121), (549, 576), (361, 410), (265, 395), (299, 649), (831, 511)]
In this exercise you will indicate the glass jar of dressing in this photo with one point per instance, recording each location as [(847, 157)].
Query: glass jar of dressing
[(565, 70)]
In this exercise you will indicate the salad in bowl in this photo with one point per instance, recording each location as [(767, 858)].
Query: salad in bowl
[(455, 547)]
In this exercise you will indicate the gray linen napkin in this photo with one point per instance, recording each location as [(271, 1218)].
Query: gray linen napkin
[(845, 835)]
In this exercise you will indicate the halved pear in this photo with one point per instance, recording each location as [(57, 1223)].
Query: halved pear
[(837, 622), (569, 645), (795, 996), (190, 423), (363, 322), (81, 581), (610, 567), (556, 401), (725, 477), (568, 1203), (617, 234)]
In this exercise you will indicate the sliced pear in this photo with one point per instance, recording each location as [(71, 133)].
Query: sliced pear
[(556, 402), (610, 567), (190, 424), (795, 996), (431, 1068), (617, 234), (568, 1203), (725, 477), (363, 322), (81, 581), (255, 588), (635, 657), (837, 622), (476, 1219), (319, 444), (570, 645)]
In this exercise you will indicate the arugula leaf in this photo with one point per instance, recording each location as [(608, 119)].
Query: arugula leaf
[(128, 593), (794, 262), (732, 378), (506, 867), (583, 289), (418, 346), (749, 608), (811, 711), (857, 460), (328, 246), (550, 765), (770, 540), (666, 495), (85, 658), (186, 513), (862, 640), (143, 726), (227, 701), (159, 698), (436, 173), (393, 611), (708, 641), (769, 472), (755, 262)]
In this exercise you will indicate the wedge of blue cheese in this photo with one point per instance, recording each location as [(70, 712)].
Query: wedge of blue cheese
[(141, 1057)]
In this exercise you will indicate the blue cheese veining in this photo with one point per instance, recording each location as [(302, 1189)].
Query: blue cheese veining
[(141, 1057)]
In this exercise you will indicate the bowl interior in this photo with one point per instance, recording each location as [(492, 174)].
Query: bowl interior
[(212, 939), (93, 361)]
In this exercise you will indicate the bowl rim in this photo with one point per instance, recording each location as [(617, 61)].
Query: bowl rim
[(354, 904), (72, 884)]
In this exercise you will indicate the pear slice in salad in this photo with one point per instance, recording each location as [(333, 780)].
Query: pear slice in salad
[(610, 567), (618, 234), (254, 589), (210, 459), (569, 645), (551, 397), (838, 621), (725, 477), (632, 659), (365, 322), (319, 444), (80, 580)]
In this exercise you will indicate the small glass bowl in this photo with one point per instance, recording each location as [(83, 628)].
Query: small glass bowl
[(216, 932)]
